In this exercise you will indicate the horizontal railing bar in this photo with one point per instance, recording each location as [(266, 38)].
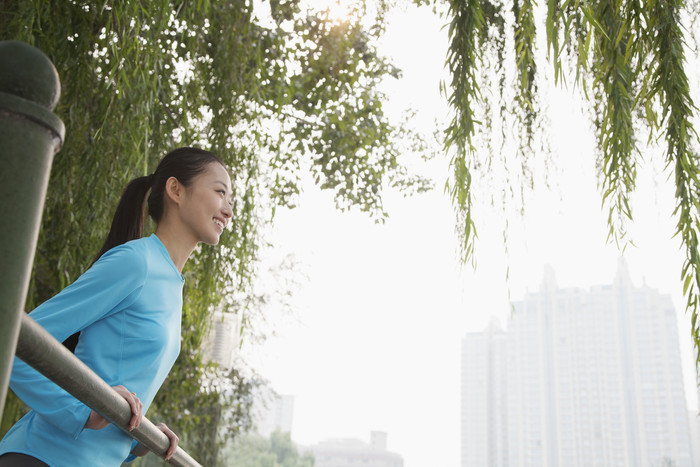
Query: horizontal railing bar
[(48, 356)]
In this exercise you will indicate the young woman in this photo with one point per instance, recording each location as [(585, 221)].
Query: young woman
[(127, 308)]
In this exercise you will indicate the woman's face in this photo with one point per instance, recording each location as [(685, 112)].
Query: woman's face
[(205, 208)]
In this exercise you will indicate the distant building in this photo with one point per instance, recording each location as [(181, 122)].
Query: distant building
[(221, 343), (355, 453), (580, 378), (695, 425), (276, 415), (484, 412), (695, 435)]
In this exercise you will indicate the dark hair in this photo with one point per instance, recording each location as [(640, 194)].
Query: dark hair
[(183, 163)]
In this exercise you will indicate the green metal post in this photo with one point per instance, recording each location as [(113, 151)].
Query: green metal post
[(30, 135)]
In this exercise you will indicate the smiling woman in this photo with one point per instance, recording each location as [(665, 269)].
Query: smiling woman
[(127, 310), (203, 209)]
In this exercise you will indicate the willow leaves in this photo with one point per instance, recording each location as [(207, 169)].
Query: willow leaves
[(627, 56)]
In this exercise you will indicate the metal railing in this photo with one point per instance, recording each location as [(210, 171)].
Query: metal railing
[(31, 134), (48, 356)]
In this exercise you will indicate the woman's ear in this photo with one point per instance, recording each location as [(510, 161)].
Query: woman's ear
[(173, 190)]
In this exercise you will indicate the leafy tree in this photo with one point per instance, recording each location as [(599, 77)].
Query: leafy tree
[(256, 451), (628, 58), (218, 412), (275, 98)]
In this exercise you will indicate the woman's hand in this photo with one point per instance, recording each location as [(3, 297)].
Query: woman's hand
[(96, 421), (174, 440), (141, 450)]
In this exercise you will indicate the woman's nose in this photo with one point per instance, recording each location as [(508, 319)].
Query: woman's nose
[(228, 210)]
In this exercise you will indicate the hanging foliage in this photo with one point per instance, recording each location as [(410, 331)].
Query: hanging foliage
[(627, 56)]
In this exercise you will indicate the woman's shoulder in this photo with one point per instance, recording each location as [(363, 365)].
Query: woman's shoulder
[(131, 248), (137, 257), (121, 267), (130, 256)]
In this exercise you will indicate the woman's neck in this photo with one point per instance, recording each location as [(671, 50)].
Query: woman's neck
[(179, 247)]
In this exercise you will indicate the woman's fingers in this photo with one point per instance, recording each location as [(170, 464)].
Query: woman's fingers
[(96, 421), (141, 450), (174, 440), (137, 411), (134, 403)]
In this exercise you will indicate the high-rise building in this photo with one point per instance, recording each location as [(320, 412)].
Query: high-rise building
[(694, 416), (484, 413), (277, 414), (580, 378), (221, 342), (695, 435)]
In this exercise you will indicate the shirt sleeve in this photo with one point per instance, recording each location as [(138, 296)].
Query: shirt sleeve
[(131, 457), (111, 284)]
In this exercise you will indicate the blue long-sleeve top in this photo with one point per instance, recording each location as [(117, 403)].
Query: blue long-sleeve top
[(128, 308)]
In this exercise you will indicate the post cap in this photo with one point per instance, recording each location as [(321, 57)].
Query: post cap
[(27, 73)]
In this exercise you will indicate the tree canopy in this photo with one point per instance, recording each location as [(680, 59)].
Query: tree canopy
[(255, 451), (629, 59), (276, 93)]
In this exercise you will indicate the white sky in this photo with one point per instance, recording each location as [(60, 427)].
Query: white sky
[(375, 343)]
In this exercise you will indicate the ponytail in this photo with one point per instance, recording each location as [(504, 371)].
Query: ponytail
[(127, 223)]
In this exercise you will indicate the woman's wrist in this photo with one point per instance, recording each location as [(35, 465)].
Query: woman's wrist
[(95, 421), (140, 450)]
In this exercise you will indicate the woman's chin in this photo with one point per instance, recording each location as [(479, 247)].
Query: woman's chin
[(212, 241)]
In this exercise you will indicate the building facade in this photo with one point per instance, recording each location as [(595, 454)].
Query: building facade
[(356, 453), (221, 343), (484, 413), (277, 414), (694, 416), (581, 378), (695, 435)]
